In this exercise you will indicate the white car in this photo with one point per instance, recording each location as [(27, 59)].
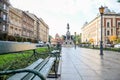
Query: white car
[(40, 44), (117, 45)]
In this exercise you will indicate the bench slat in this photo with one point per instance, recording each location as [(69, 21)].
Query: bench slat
[(46, 69), (40, 67), (9, 47), (43, 66), (19, 76)]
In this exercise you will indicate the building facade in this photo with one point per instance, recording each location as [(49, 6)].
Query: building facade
[(37, 28), (15, 22), (27, 25), (111, 27), (44, 31), (21, 24), (4, 7)]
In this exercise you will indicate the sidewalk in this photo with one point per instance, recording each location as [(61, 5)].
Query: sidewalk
[(87, 64)]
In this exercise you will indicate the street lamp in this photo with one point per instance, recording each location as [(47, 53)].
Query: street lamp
[(118, 0), (101, 10), (75, 40)]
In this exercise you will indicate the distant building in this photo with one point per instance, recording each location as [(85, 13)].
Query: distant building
[(56, 40), (111, 27), (53, 41)]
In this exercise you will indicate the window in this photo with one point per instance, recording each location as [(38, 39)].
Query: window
[(118, 33), (108, 33), (105, 32), (4, 17), (11, 30), (111, 31), (3, 27), (4, 6), (118, 24), (108, 24)]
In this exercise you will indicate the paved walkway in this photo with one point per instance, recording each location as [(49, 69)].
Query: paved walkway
[(87, 64)]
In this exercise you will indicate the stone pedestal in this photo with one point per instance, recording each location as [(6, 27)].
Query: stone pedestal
[(68, 43)]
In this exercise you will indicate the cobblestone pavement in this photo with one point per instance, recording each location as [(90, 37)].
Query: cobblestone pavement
[(87, 64)]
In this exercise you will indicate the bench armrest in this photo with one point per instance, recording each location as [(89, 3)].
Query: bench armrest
[(23, 70)]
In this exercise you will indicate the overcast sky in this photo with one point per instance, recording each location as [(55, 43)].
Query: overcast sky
[(57, 13)]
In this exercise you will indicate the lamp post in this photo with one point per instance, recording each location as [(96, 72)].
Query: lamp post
[(101, 10), (118, 1), (75, 40)]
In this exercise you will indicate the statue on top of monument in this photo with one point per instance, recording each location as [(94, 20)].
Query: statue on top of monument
[(68, 32), (68, 26)]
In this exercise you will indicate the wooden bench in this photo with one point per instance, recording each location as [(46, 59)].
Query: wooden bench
[(38, 70)]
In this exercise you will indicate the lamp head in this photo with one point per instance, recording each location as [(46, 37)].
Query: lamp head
[(101, 10)]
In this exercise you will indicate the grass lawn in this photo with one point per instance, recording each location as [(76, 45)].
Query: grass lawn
[(20, 59)]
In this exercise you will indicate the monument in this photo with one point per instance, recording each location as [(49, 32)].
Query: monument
[(68, 42)]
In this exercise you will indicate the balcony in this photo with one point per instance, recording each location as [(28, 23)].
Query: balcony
[(3, 21), (5, 11), (2, 9)]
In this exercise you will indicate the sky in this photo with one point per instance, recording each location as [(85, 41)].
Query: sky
[(57, 13)]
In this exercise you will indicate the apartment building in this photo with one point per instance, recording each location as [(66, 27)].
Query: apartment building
[(4, 7), (111, 27), (15, 22), (18, 23), (36, 26), (44, 31), (27, 25), (40, 28)]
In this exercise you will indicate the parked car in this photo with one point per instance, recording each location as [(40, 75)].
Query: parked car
[(40, 44), (117, 45), (109, 45)]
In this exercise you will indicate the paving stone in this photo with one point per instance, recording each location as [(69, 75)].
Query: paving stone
[(87, 64)]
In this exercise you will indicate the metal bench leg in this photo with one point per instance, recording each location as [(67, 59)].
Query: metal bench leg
[(55, 67)]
